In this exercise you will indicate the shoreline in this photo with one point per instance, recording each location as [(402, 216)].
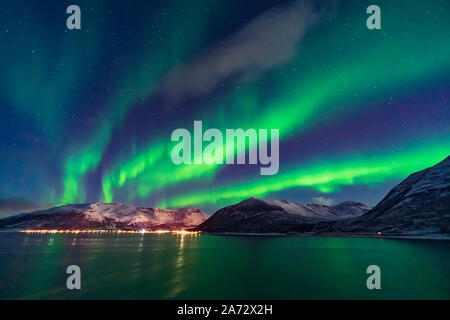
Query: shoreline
[(276, 234), (336, 235)]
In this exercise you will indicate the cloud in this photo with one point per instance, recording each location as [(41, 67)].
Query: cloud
[(322, 201), (9, 206), (268, 41)]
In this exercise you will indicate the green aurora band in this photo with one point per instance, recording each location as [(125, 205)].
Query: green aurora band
[(367, 67), (324, 177), (138, 85)]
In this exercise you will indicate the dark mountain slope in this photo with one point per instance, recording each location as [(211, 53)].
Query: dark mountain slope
[(273, 216), (420, 204)]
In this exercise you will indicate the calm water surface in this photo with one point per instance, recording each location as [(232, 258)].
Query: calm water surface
[(166, 266)]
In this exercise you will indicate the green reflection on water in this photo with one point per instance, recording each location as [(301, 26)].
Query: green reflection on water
[(161, 266)]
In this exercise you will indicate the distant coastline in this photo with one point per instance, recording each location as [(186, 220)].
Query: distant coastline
[(337, 235), (445, 237)]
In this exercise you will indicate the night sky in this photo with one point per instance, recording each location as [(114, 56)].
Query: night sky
[(86, 115)]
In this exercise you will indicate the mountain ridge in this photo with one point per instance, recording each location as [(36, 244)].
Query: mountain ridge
[(418, 204), (113, 215), (255, 215)]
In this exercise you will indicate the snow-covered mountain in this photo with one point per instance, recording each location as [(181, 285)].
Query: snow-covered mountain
[(418, 205), (260, 216), (106, 216)]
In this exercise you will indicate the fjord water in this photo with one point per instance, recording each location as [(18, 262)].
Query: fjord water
[(164, 266)]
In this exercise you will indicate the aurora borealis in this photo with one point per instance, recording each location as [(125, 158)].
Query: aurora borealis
[(87, 114)]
